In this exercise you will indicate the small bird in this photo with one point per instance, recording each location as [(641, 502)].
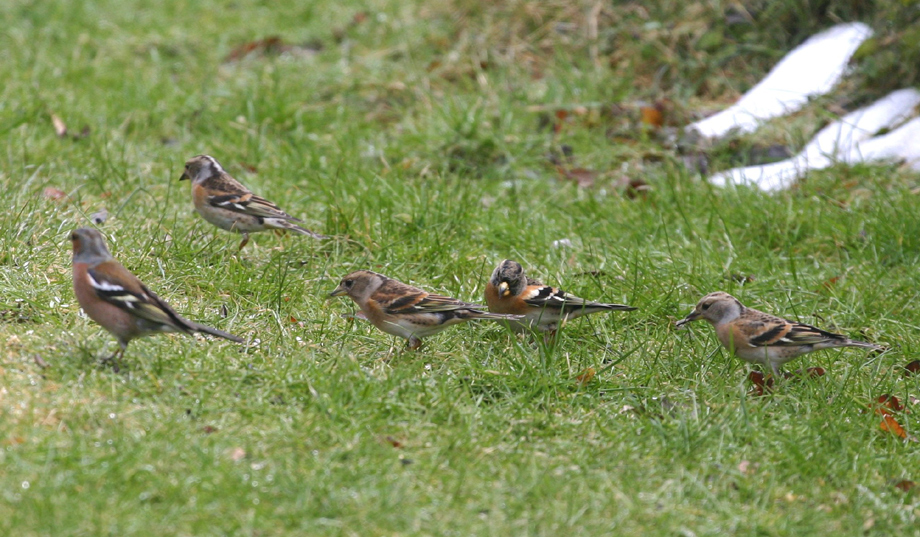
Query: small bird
[(510, 291), (761, 338), (117, 300), (225, 202), (405, 311)]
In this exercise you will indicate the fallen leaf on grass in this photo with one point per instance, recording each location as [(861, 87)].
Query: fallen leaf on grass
[(208, 429), (236, 454), (905, 485), (761, 384), (584, 178), (54, 194), (912, 368), (268, 45), (746, 467), (586, 376), (393, 442), (99, 217), (652, 116), (764, 384), (60, 128), (886, 404), (815, 372), (891, 425), (271, 46)]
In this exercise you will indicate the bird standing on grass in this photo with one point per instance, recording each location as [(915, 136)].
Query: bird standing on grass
[(118, 301), (405, 311), (761, 338), (543, 307), (225, 202)]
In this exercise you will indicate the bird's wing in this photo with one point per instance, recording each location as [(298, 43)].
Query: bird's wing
[(544, 296), (763, 330), (395, 297), (117, 286), (231, 195)]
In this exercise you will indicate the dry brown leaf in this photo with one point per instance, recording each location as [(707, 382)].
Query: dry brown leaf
[(891, 425), (269, 45), (632, 188), (912, 368), (208, 429), (905, 485), (54, 194), (831, 282), (651, 116), (815, 372), (586, 376), (393, 442), (561, 116), (60, 128), (582, 177), (761, 384), (886, 404), (764, 384)]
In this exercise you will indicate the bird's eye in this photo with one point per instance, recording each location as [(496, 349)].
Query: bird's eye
[(349, 283), (73, 236), (706, 306)]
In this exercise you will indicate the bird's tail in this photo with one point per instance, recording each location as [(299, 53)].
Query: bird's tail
[(283, 223), (863, 345), (611, 307), (215, 332), (488, 315), (304, 231)]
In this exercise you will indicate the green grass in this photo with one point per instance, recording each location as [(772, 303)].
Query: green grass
[(412, 137)]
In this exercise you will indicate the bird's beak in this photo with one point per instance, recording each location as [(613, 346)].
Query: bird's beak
[(184, 176), (504, 289), (694, 315), (339, 291)]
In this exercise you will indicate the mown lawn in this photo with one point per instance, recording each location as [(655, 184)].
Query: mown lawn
[(421, 135)]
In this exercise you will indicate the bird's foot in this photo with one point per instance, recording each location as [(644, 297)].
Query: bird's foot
[(244, 242), (114, 361)]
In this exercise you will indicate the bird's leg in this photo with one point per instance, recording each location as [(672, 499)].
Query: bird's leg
[(245, 241), (414, 343), (777, 373), (115, 359)]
